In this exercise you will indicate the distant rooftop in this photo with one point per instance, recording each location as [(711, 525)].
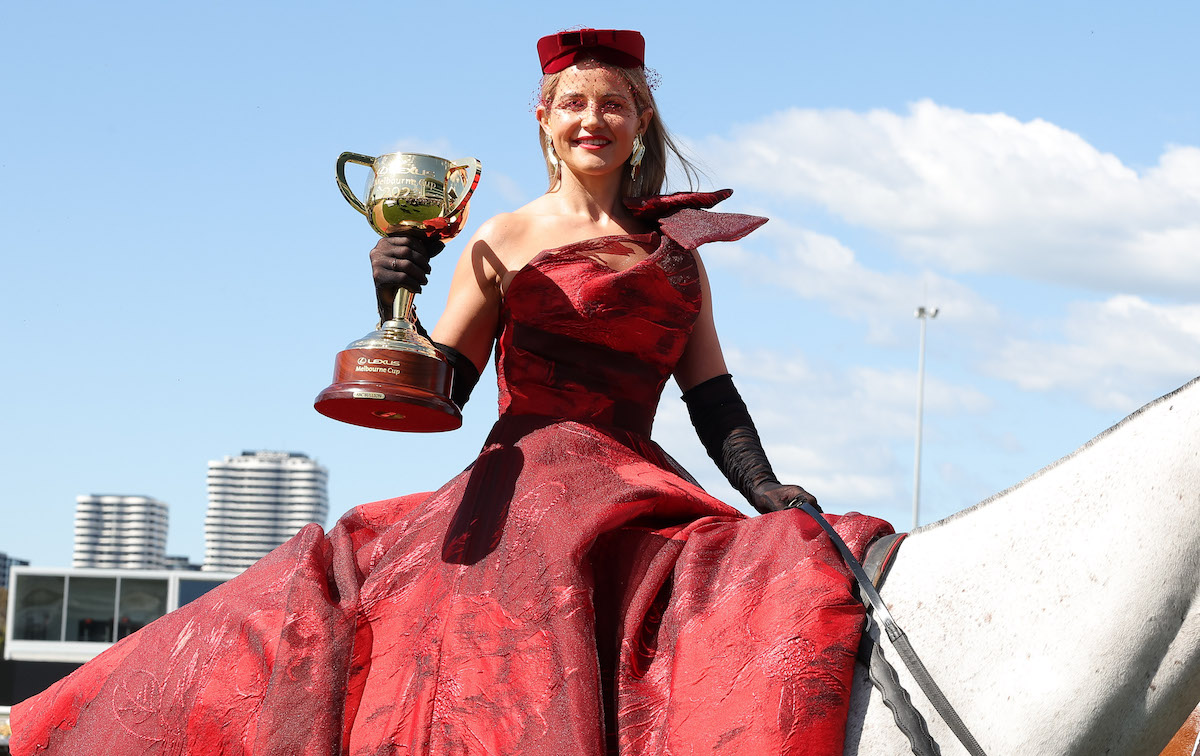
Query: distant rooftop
[(114, 496), (273, 454)]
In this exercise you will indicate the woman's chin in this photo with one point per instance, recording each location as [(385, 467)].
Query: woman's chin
[(595, 167)]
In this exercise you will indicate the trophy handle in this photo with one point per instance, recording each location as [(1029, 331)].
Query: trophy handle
[(352, 157), (474, 167)]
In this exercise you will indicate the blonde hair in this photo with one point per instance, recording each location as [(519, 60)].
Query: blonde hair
[(652, 173)]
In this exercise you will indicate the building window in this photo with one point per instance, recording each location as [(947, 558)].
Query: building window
[(38, 607), (190, 590), (90, 603), (142, 602)]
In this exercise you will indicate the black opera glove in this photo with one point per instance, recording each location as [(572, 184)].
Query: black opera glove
[(466, 375), (724, 426), (401, 261)]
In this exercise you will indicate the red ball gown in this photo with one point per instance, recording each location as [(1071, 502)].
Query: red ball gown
[(572, 592)]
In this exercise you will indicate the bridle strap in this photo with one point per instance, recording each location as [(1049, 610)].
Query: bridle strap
[(896, 636)]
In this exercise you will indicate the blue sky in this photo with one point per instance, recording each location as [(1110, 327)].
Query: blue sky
[(179, 268)]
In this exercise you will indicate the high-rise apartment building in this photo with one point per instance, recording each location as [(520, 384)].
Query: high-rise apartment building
[(7, 562), (257, 501), (120, 532)]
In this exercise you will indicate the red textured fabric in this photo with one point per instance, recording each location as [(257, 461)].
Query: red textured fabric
[(660, 205), (683, 217), (571, 592)]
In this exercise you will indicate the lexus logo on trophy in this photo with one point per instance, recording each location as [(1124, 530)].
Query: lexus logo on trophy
[(393, 378)]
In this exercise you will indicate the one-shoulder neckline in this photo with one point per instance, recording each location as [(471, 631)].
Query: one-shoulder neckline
[(649, 238)]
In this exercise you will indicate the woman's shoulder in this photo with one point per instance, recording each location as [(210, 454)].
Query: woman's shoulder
[(506, 229), (515, 236), (499, 230)]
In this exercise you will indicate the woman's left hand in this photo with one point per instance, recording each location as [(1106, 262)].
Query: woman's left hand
[(773, 497)]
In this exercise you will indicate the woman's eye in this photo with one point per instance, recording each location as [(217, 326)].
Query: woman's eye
[(570, 104), (616, 107)]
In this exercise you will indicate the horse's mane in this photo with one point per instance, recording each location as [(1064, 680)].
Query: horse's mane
[(1055, 464)]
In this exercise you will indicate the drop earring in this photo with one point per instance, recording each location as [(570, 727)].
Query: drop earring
[(552, 157), (635, 160)]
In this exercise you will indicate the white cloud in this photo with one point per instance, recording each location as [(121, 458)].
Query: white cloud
[(962, 196), (982, 192), (1113, 353), (819, 267)]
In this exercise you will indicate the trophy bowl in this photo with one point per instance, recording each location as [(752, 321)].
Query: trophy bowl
[(394, 378)]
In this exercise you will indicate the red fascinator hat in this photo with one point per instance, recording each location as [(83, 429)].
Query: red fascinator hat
[(620, 47)]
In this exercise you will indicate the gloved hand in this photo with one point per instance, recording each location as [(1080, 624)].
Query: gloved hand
[(772, 497), (401, 261)]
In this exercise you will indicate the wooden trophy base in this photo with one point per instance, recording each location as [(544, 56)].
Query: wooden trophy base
[(392, 388)]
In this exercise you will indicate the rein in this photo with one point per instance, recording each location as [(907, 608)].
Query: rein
[(902, 645)]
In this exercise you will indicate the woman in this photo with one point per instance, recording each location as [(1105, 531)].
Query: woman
[(573, 591), (593, 116)]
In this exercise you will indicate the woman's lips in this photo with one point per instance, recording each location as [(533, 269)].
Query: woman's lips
[(593, 143)]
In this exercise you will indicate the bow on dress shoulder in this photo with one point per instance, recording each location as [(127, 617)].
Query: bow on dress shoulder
[(685, 217)]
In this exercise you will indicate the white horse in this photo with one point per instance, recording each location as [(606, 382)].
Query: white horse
[(1062, 615)]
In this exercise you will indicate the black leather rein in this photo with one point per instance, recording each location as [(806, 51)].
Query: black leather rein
[(900, 642)]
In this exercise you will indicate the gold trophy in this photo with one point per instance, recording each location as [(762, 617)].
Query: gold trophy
[(393, 378)]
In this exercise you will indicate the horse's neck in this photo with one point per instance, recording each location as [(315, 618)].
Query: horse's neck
[(1063, 613)]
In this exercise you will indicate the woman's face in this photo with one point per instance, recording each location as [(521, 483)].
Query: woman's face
[(591, 119)]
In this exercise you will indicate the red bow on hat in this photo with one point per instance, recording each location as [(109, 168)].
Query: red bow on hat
[(621, 47)]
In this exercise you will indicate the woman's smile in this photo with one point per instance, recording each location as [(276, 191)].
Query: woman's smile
[(592, 143)]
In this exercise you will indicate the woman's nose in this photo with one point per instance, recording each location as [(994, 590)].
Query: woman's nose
[(591, 115)]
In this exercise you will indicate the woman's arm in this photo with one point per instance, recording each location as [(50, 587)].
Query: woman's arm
[(721, 419), (468, 324), (472, 312), (702, 359)]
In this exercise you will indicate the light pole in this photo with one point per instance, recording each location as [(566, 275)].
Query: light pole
[(924, 315)]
